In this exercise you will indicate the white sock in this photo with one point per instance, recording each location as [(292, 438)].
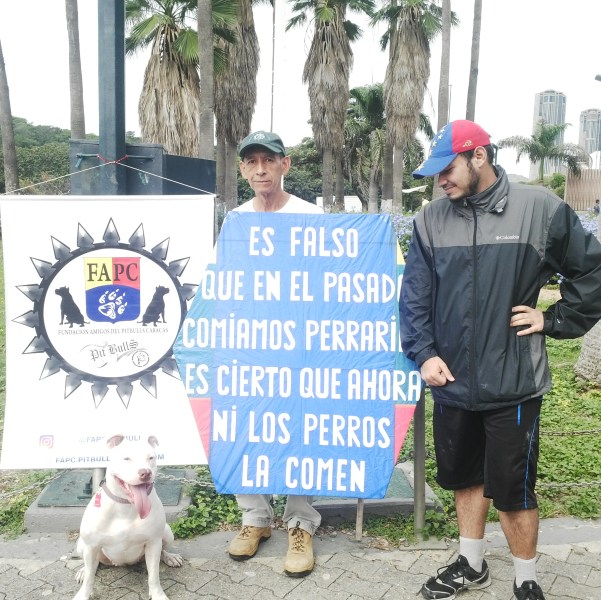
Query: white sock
[(473, 550), (525, 570)]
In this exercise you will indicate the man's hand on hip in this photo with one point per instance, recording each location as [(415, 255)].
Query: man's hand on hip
[(525, 316)]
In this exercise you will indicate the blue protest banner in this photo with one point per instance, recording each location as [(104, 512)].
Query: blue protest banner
[(291, 348)]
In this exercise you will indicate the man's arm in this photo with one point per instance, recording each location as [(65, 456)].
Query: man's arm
[(576, 254), (415, 305)]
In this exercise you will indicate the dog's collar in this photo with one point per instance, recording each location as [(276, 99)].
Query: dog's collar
[(118, 498)]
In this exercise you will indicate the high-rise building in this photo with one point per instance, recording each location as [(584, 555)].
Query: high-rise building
[(550, 108), (589, 133)]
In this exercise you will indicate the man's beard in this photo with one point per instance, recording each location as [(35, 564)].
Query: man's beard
[(474, 183)]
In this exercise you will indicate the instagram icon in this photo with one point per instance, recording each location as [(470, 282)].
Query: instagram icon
[(46, 441)]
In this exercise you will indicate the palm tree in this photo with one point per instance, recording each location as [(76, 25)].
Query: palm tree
[(412, 25), (169, 106), (11, 171), (327, 70), (364, 134), (365, 143), (470, 111), (236, 97), (543, 145), (78, 121)]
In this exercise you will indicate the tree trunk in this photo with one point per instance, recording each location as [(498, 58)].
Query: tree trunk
[(372, 205), (443, 85), (388, 166), (219, 184), (11, 171), (445, 60), (339, 202), (470, 111), (397, 183), (231, 176), (78, 121), (206, 122), (327, 182), (387, 172), (220, 170), (588, 365)]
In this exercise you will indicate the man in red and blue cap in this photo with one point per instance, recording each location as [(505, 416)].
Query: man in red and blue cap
[(476, 263)]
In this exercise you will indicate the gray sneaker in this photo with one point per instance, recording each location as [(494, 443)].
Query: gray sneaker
[(455, 578)]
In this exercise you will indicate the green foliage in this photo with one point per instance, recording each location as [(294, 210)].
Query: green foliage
[(304, 178), (12, 515), (43, 155), (38, 163), (13, 507), (557, 184), (570, 458), (400, 529), (208, 511), (28, 135)]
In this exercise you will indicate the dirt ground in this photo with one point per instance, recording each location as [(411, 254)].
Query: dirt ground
[(547, 294)]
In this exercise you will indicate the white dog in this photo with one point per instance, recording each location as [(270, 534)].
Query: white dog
[(125, 520)]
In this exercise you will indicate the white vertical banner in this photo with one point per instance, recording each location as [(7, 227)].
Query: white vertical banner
[(96, 289)]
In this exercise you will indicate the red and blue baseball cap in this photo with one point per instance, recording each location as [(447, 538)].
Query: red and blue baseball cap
[(455, 137)]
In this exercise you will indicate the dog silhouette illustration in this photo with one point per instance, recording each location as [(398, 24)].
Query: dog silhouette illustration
[(69, 309), (155, 311)]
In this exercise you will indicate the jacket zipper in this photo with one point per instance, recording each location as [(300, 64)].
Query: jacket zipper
[(472, 361)]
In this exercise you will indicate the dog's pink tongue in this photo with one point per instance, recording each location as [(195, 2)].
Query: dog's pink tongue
[(141, 500)]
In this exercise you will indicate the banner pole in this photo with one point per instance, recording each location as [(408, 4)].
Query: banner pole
[(359, 519), (419, 467), (98, 476)]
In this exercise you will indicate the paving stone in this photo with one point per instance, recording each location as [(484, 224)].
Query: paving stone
[(346, 571)]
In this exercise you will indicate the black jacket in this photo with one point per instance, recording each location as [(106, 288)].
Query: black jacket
[(469, 263)]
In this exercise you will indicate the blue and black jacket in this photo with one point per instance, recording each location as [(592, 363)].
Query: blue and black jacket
[(469, 263)]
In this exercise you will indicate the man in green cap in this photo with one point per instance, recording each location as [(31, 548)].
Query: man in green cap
[(263, 163)]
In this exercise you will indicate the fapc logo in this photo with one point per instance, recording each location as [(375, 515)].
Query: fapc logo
[(120, 306), (112, 288)]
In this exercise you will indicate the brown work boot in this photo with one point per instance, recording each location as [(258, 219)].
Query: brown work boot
[(246, 543), (299, 560)]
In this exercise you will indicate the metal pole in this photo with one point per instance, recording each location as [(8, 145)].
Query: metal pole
[(111, 94), (419, 468), (359, 519)]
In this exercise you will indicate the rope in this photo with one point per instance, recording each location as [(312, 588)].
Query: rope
[(103, 163)]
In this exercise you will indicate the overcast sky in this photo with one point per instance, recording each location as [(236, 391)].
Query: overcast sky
[(527, 46)]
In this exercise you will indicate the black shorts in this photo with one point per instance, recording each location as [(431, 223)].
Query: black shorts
[(497, 448)]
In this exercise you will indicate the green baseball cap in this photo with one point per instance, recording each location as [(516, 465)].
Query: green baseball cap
[(264, 139)]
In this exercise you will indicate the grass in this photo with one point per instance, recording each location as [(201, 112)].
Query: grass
[(567, 461)]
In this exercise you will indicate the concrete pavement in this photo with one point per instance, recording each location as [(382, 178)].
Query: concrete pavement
[(40, 566)]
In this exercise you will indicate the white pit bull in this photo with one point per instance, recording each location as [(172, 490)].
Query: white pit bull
[(125, 520)]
